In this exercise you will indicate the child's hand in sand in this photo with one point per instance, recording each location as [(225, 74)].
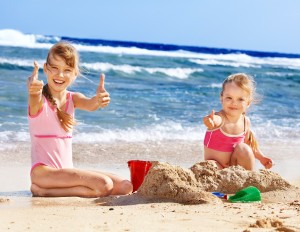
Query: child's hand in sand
[(102, 94), (34, 85), (267, 162)]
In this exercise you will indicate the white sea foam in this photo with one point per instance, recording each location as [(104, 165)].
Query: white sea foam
[(223, 63), (181, 73), (169, 130), (281, 74), (10, 37), (243, 60), (158, 132), (19, 62)]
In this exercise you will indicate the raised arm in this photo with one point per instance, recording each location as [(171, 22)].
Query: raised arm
[(35, 89), (212, 120), (100, 100)]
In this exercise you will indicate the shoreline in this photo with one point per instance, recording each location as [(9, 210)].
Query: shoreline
[(115, 155)]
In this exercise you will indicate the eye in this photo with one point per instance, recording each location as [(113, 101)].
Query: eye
[(68, 70), (241, 99)]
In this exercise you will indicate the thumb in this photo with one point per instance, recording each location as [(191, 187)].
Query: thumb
[(35, 70), (101, 87), (212, 114)]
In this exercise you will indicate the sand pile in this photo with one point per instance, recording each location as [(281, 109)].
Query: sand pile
[(235, 178), (194, 185), (174, 183)]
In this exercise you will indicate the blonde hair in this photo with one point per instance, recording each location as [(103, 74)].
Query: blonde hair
[(252, 141), (247, 83), (68, 53)]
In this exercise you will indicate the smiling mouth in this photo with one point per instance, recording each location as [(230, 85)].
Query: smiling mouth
[(58, 82)]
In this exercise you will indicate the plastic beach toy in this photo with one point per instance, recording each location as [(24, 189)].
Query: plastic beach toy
[(138, 171), (220, 195), (249, 194)]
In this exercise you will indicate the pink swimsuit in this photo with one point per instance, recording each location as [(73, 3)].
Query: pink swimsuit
[(51, 145), (219, 140)]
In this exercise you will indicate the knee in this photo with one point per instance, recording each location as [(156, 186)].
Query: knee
[(126, 187), (104, 187), (245, 156), (36, 191), (243, 151)]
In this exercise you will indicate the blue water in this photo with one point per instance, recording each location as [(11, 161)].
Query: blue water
[(158, 91)]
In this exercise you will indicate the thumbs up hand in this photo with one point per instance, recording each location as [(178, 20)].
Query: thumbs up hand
[(34, 85), (102, 94), (209, 120)]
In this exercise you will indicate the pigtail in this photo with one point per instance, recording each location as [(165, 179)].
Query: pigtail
[(252, 142), (66, 120)]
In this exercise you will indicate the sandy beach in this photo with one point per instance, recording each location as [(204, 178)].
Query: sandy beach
[(279, 210), (159, 92)]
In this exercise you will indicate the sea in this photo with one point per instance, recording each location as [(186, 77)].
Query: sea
[(159, 92)]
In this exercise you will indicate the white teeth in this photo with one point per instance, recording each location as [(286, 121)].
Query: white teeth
[(58, 82)]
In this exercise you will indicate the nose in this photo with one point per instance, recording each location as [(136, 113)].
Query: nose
[(61, 73), (234, 102)]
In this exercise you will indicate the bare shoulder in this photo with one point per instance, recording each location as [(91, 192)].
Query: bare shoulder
[(247, 120), (78, 98), (247, 124)]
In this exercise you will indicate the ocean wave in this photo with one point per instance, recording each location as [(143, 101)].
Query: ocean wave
[(158, 133), (86, 134), (181, 73), (19, 62), (169, 130), (10, 37), (243, 60), (282, 74), (223, 63)]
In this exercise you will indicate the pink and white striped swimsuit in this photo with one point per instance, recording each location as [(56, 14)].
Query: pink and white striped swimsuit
[(51, 145)]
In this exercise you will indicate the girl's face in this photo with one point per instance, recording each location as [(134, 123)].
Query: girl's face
[(235, 100), (59, 74)]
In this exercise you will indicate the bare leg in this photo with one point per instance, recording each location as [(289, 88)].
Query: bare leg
[(47, 181), (243, 156), (121, 186)]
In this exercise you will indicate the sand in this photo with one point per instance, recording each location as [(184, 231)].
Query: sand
[(155, 206), (194, 185)]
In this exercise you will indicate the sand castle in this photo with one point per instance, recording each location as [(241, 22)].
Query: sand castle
[(194, 185)]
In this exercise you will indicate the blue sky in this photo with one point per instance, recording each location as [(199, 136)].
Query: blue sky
[(262, 25)]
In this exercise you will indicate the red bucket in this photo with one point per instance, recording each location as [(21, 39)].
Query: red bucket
[(138, 171)]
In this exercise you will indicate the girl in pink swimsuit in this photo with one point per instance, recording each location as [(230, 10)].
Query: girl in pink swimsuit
[(228, 139), (51, 110)]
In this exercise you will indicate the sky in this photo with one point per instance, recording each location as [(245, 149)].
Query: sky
[(259, 25)]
